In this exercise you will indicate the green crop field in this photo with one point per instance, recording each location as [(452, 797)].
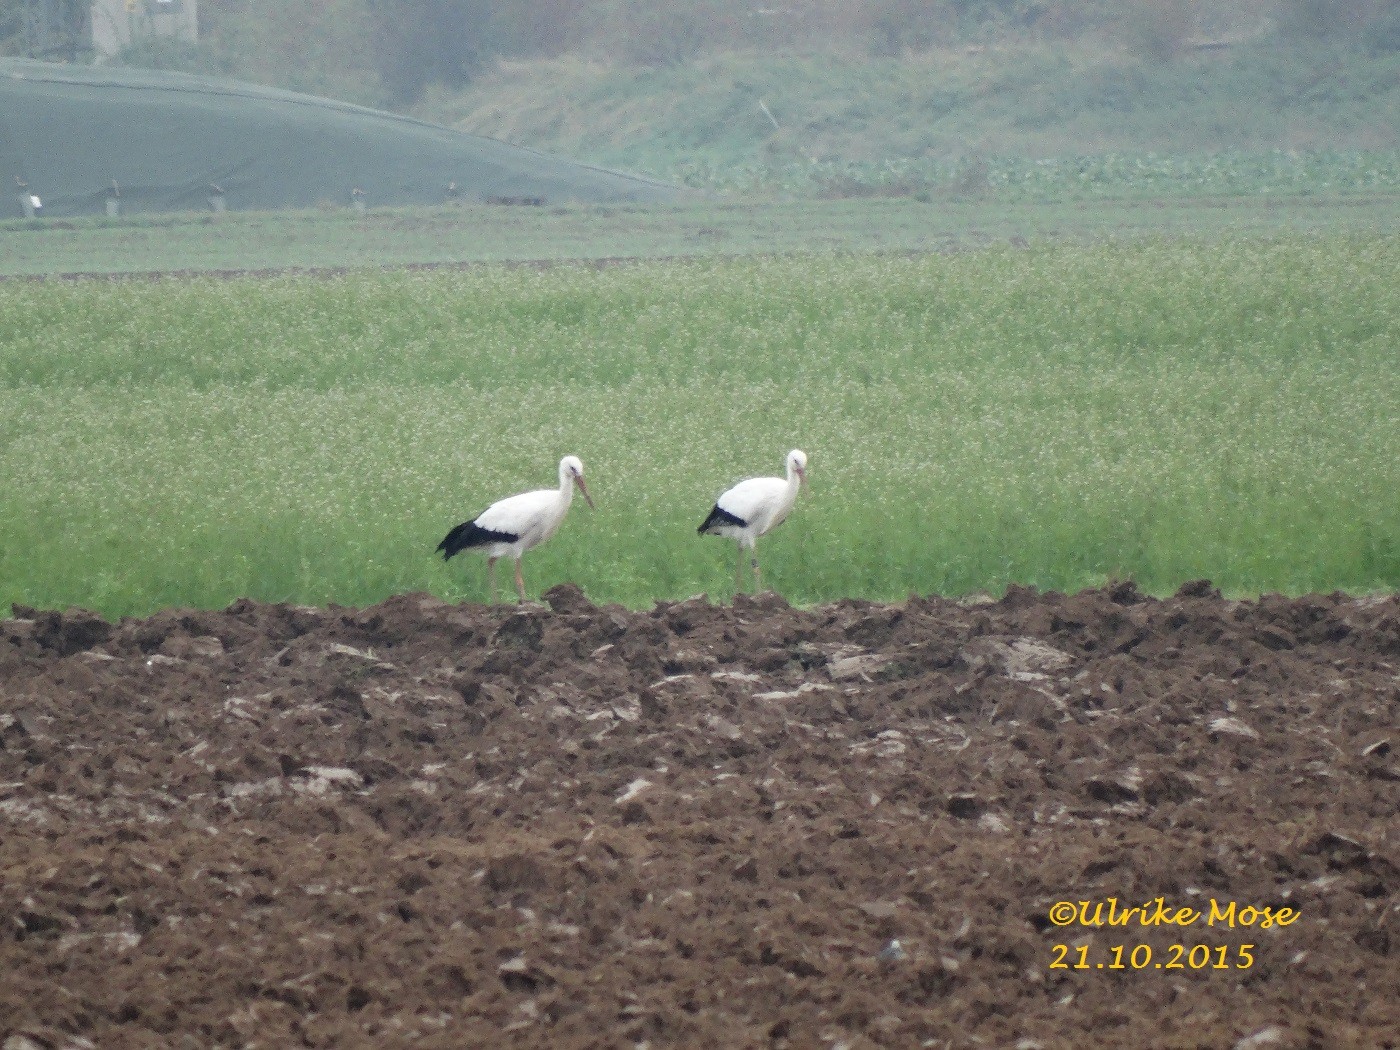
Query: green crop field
[(1057, 415)]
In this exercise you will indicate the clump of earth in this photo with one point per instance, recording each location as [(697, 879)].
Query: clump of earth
[(424, 824)]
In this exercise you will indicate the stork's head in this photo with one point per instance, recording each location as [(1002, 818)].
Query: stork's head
[(571, 469), (797, 464)]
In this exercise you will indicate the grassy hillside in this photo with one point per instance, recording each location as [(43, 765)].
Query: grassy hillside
[(705, 120), (1165, 409), (86, 139)]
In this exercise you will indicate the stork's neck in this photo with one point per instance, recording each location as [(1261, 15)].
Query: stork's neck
[(566, 486), (794, 482)]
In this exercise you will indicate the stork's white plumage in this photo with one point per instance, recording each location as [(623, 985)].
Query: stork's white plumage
[(753, 507), (515, 524)]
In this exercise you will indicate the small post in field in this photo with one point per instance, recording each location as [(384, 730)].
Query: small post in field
[(769, 114), (29, 203)]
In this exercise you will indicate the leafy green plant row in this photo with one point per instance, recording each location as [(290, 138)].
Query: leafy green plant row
[(1277, 173)]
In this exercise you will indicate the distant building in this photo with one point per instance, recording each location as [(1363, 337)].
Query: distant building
[(116, 23)]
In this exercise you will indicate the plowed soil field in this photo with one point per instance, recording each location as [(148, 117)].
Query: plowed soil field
[(421, 824)]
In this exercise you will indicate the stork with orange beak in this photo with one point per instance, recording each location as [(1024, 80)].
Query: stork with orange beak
[(753, 507), (515, 524)]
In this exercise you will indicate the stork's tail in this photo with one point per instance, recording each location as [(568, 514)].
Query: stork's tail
[(468, 535), (718, 518)]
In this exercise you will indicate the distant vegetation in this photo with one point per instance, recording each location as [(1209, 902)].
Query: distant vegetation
[(390, 51), (1056, 415), (1032, 118), (1286, 175), (849, 96), (398, 48)]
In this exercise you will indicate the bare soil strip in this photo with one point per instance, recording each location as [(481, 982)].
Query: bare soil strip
[(421, 824)]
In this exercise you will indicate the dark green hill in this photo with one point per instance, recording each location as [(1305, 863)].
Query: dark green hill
[(165, 139)]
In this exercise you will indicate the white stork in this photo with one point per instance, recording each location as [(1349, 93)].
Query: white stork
[(517, 523), (751, 508)]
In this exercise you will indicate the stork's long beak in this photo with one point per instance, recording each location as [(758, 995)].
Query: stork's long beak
[(584, 489), (801, 477)]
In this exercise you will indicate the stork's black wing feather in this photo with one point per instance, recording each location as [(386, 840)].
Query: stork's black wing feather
[(468, 535), (720, 516)]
